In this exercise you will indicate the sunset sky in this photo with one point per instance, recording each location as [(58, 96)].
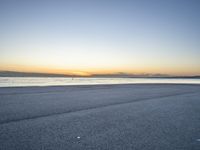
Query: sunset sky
[(100, 36)]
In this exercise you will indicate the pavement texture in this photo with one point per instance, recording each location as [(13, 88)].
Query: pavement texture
[(101, 117)]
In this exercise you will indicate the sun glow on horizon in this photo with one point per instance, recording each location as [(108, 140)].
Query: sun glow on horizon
[(96, 71)]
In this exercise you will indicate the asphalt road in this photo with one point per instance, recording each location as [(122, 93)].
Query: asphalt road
[(101, 117)]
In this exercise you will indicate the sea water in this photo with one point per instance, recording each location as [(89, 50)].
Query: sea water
[(56, 81)]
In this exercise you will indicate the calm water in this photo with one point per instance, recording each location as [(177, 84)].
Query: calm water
[(38, 81)]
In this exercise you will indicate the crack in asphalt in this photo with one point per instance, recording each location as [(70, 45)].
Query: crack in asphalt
[(91, 108)]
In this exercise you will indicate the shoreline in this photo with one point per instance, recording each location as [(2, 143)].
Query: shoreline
[(93, 85)]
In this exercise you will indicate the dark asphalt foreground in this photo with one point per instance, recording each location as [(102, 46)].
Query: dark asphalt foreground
[(101, 117)]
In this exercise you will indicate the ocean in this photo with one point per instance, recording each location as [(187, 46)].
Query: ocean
[(56, 81)]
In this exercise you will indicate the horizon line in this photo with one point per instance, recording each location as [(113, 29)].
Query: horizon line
[(8, 73)]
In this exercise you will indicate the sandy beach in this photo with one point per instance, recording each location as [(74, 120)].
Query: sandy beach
[(129, 116)]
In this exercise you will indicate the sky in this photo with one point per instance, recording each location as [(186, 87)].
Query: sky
[(87, 37)]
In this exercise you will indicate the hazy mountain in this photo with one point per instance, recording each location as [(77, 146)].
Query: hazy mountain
[(114, 75), (28, 74), (128, 75)]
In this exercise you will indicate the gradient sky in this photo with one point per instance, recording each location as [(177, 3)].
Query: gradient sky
[(100, 36)]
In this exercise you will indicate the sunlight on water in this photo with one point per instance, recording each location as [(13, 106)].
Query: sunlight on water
[(38, 81)]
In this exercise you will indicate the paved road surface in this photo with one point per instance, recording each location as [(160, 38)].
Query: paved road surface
[(101, 117)]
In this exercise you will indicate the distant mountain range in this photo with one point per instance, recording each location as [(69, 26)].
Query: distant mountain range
[(115, 75), (28, 74)]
